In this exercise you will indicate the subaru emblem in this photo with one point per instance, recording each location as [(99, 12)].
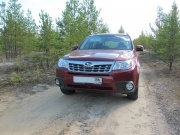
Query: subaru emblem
[(88, 64)]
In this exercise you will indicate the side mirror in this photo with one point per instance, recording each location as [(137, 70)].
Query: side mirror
[(139, 48), (75, 47)]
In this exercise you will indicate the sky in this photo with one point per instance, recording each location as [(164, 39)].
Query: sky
[(133, 15)]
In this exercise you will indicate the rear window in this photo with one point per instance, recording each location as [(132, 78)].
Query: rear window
[(115, 42)]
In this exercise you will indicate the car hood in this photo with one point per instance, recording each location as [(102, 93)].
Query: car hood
[(100, 55)]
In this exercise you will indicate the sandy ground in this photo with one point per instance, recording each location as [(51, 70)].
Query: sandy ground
[(7, 64), (50, 112)]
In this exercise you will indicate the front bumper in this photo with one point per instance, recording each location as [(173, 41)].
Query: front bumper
[(115, 81)]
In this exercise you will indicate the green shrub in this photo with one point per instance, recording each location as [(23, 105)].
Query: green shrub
[(16, 78), (38, 71)]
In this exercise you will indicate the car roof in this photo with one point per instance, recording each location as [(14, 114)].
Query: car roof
[(110, 34)]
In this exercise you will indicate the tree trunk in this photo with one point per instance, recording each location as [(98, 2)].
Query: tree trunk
[(47, 58), (15, 43), (5, 48), (170, 66)]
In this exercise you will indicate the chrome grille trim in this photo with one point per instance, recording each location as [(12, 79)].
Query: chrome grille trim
[(98, 66)]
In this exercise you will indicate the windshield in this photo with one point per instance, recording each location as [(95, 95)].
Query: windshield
[(115, 42)]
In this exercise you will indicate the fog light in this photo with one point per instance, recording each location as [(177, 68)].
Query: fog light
[(129, 86), (57, 82)]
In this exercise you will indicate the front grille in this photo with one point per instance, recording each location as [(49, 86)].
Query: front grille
[(82, 68), (98, 67)]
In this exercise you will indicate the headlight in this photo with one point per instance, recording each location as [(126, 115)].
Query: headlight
[(124, 64), (63, 63)]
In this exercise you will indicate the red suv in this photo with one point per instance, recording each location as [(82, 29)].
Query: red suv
[(103, 62)]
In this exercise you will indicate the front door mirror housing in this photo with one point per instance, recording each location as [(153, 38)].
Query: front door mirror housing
[(75, 47), (139, 48)]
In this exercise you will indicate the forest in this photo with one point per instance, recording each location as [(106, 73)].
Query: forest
[(47, 41)]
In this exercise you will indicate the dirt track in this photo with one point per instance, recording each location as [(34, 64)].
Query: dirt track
[(51, 112)]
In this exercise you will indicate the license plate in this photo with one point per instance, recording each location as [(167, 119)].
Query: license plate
[(94, 80)]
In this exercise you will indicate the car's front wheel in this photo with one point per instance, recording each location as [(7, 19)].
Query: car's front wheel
[(133, 96), (68, 92)]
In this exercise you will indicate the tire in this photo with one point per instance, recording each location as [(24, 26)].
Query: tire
[(133, 96), (68, 92)]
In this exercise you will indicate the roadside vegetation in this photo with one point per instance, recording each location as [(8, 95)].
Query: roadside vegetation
[(22, 73)]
